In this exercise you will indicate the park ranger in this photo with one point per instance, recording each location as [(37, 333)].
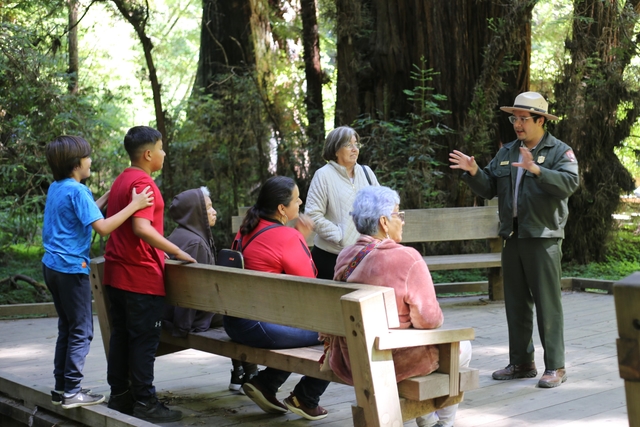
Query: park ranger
[(533, 176)]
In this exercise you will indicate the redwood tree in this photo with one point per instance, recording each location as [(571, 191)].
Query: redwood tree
[(229, 130), (598, 107), (314, 79), (381, 41), (73, 46)]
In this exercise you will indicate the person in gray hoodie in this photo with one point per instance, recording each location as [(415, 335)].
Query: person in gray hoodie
[(193, 211)]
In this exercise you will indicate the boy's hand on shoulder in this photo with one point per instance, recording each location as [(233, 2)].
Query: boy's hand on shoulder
[(143, 199), (183, 256)]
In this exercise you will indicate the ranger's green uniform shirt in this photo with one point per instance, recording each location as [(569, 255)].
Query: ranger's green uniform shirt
[(542, 200)]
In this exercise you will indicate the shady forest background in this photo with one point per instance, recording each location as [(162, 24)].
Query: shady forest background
[(245, 89)]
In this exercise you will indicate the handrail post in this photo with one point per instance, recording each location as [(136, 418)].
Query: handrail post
[(626, 294)]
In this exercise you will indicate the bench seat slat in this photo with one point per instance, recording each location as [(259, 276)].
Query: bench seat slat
[(304, 360), (436, 384), (400, 338)]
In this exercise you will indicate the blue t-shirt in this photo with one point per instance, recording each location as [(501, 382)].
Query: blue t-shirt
[(68, 214)]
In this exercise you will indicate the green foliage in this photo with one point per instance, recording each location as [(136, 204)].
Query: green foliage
[(453, 276), (551, 24), (622, 256), (35, 107), (601, 270), (24, 260), (402, 150), (174, 28)]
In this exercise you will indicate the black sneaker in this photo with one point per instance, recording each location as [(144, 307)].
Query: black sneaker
[(81, 399), (236, 378), (155, 411), (56, 396), (122, 402)]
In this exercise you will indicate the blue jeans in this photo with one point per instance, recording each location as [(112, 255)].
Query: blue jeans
[(269, 335), (136, 322), (72, 298)]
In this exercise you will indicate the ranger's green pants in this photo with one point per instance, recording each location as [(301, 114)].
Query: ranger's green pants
[(532, 272)]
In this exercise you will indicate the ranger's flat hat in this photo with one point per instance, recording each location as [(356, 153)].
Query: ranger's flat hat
[(531, 102)]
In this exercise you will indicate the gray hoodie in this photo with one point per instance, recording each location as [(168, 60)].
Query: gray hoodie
[(193, 235)]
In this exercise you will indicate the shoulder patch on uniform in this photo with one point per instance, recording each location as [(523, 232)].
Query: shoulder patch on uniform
[(570, 156)]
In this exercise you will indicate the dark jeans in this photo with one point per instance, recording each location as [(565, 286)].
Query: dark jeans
[(136, 322), (269, 335), (325, 262), (72, 298)]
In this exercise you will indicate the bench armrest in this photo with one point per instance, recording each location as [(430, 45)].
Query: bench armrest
[(399, 338)]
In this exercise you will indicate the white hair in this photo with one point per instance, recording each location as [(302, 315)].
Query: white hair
[(370, 204), (205, 191)]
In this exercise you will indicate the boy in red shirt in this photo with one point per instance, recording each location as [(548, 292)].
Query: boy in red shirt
[(134, 280)]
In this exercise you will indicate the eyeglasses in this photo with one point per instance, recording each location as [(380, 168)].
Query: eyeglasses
[(351, 145), (399, 215), (522, 120)]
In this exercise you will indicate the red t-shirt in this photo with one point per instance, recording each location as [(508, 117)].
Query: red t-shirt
[(132, 264), (277, 250)]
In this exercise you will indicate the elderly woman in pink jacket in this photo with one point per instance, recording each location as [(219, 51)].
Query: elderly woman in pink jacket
[(378, 258)]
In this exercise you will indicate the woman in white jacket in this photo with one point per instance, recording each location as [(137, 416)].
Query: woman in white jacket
[(331, 195)]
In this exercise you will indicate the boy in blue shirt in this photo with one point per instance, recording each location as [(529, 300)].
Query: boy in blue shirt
[(69, 216)]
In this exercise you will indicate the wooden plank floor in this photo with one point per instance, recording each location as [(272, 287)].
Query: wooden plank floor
[(197, 382)]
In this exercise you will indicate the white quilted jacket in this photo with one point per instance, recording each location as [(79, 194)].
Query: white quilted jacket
[(329, 202)]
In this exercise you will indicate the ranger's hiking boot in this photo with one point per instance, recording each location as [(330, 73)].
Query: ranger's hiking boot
[(553, 378), (511, 372)]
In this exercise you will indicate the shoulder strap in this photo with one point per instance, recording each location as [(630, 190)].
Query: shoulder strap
[(237, 244), (366, 174), (356, 259)]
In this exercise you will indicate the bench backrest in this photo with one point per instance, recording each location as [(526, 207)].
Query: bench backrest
[(435, 225), (313, 304), (363, 314)]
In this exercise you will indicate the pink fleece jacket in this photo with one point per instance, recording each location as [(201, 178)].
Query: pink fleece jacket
[(403, 269)]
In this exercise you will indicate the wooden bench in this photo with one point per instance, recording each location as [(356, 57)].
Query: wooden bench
[(364, 314), (626, 294), (447, 225)]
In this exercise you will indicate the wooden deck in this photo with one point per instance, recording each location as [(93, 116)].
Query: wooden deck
[(197, 382)]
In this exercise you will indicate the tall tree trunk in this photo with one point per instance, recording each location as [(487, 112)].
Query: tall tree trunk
[(598, 109), (73, 46), (225, 41), (380, 42), (233, 41), (233, 71), (314, 77), (138, 16)]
